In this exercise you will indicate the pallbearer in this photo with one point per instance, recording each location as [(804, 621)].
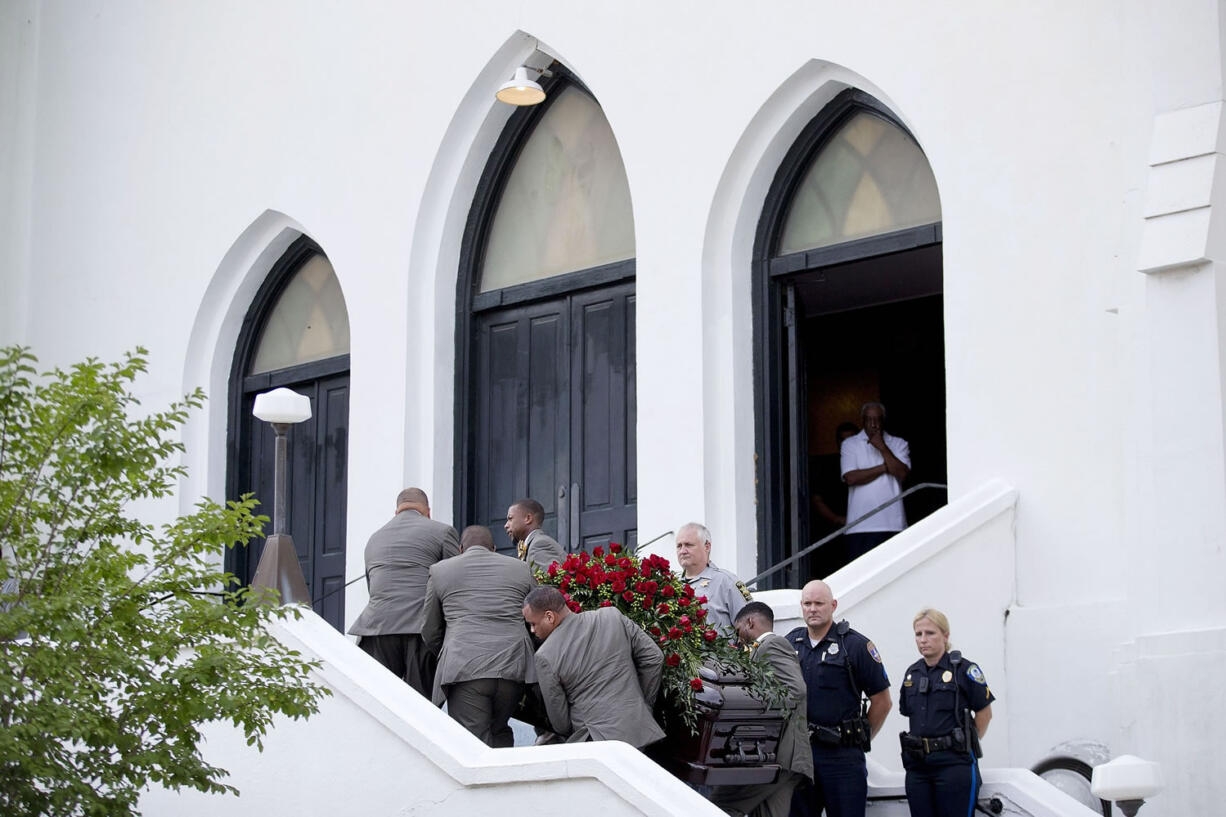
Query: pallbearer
[(532, 544), (755, 625), (949, 703), (473, 621)]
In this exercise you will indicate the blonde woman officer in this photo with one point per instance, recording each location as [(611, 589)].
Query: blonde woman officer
[(949, 704)]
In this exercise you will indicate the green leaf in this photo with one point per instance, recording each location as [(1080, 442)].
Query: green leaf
[(115, 645)]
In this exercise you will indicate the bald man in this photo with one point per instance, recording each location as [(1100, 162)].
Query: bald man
[(840, 668), (398, 559), (474, 622)]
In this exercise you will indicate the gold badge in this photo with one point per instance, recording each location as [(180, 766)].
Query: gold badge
[(947, 676), (704, 582)]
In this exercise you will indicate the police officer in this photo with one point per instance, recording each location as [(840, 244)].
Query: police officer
[(949, 704), (726, 595), (839, 665)]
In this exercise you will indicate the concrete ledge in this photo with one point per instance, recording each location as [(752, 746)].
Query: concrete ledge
[(624, 771)]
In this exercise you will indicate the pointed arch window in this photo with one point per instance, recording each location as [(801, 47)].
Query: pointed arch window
[(309, 321), (869, 179), (296, 335), (565, 205), (545, 352), (848, 247)]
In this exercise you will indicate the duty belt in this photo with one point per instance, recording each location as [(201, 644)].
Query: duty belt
[(926, 746)]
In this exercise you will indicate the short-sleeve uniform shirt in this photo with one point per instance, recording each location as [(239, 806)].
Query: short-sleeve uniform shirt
[(832, 696), (725, 595), (932, 697)]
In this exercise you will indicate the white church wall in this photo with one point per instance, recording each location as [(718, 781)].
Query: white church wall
[(160, 135), (18, 106)]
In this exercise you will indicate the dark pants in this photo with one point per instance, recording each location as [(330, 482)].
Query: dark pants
[(840, 784), (942, 791), (860, 543), (406, 656), (484, 706)]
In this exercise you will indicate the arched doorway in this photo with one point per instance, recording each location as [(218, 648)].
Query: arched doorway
[(848, 308), (296, 335), (546, 327)]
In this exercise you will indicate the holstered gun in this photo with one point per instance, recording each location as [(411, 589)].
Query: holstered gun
[(972, 734)]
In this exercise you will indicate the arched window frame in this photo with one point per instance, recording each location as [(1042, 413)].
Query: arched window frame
[(469, 300), (241, 384), (768, 308)]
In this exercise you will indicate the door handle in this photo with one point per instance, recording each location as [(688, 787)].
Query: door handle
[(563, 516), (574, 517)]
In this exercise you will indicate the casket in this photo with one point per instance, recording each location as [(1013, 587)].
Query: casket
[(737, 739)]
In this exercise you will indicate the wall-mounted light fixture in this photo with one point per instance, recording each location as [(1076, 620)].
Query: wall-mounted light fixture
[(521, 90)]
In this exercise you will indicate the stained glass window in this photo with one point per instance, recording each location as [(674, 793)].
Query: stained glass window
[(309, 321), (870, 178), (566, 204)]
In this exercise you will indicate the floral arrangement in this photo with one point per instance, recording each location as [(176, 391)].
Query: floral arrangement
[(647, 592)]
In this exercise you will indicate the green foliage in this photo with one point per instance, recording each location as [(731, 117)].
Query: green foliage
[(119, 639)]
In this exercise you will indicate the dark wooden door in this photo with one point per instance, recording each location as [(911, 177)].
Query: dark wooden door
[(315, 489), (554, 415)]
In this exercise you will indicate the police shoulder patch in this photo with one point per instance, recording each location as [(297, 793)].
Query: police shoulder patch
[(976, 674), (872, 650), (744, 591)]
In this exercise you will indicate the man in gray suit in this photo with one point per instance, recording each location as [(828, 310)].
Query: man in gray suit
[(599, 673), (474, 613), (398, 558), (754, 625), (533, 545)]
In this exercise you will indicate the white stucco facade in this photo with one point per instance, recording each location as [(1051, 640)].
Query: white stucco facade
[(156, 159)]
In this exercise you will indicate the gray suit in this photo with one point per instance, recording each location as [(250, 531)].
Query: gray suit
[(398, 559), (794, 754), (541, 550), (474, 612), (584, 670)]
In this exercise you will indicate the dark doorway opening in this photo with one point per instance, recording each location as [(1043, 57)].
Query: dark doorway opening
[(898, 359), (848, 309)]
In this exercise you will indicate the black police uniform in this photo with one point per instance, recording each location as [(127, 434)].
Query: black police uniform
[(942, 775), (840, 780)]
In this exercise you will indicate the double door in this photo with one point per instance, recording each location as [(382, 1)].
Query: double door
[(553, 416), (317, 455)]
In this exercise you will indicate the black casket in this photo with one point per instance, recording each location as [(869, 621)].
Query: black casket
[(737, 740)]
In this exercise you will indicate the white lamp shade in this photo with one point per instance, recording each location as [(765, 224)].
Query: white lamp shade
[(520, 90), (1126, 778), (282, 406)]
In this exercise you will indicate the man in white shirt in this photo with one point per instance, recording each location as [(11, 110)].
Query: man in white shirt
[(873, 464)]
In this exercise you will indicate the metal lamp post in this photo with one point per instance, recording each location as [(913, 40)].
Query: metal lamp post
[(1127, 781), (279, 569)]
